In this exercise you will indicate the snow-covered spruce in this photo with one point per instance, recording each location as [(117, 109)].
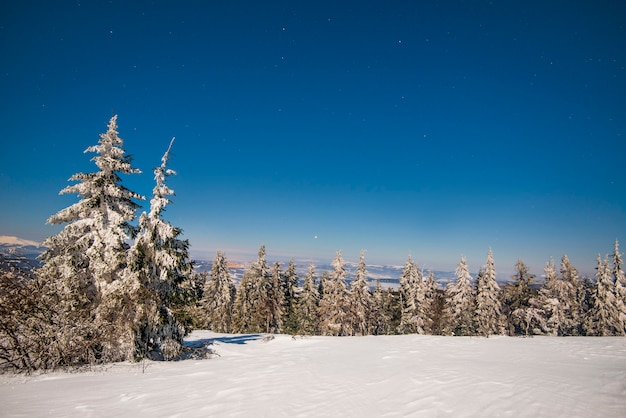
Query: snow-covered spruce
[(334, 300), (85, 263), (461, 299), (360, 300), (158, 277), (412, 299), (488, 313), (218, 297)]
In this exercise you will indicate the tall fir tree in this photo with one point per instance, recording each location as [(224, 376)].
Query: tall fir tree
[(89, 254), (553, 300), (269, 311), (160, 271), (619, 284), (517, 295), (460, 302), (488, 314), (334, 303), (307, 307), (577, 297), (412, 295), (244, 304), (360, 299), (380, 319), (289, 285), (435, 315), (246, 316), (218, 296), (603, 319)]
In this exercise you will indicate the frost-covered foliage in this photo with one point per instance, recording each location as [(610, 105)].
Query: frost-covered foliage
[(97, 298), (85, 263), (488, 313), (419, 306), (289, 285), (159, 276), (578, 296), (269, 311), (434, 310), (461, 299), (218, 297), (334, 307), (382, 311), (247, 317), (243, 307), (619, 283), (306, 309), (412, 296), (360, 299), (556, 299), (516, 296), (90, 251), (603, 318)]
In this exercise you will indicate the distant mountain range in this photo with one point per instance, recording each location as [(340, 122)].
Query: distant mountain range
[(10, 244), (19, 253), (388, 275), (23, 253)]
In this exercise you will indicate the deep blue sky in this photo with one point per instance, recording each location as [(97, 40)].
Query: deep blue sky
[(438, 129)]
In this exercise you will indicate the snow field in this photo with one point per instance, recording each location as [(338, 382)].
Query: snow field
[(374, 376)]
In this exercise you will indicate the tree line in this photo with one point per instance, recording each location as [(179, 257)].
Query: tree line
[(269, 300), (115, 286)]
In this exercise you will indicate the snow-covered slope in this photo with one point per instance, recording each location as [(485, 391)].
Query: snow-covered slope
[(19, 253), (17, 242), (17, 246), (393, 376)]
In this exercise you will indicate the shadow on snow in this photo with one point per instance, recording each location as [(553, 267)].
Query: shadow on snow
[(236, 339)]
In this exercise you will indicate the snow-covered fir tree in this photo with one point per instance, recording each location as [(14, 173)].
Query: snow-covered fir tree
[(246, 317), (89, 254), (90, 251), (603, 317), (556, 300), (334, 305), (619, 284), (307, 306), (244, 304), (488, 314), (412, 296), (577, 297), (517, 295), (160, 273), (218, 296), (460, 297), (360, 299), (289, 285), (435, 315), (270, 301), (380, 319)]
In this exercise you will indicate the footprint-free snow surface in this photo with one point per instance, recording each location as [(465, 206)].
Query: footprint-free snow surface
[(383, 376)]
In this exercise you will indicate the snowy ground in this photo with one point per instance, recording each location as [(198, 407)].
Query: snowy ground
[(392, 376)]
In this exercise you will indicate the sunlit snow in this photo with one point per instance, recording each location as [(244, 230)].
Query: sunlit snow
[(393, 376)]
